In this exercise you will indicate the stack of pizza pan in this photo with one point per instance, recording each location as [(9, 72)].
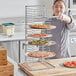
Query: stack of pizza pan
[(41, 41)]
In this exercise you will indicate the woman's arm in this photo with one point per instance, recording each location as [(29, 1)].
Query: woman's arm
[(70, 23)]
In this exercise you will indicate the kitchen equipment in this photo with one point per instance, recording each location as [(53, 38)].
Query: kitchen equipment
[(3, 56), (34, 66), (55, 70), (35, 16), (7, 70), (8, 29)]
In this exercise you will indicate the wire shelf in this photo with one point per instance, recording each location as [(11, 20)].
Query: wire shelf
[(35, 14)]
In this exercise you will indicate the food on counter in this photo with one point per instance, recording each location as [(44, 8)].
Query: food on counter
[(38, 42), (71, 64), (39, 54), (40, 26), (38, 35), (8, 29)]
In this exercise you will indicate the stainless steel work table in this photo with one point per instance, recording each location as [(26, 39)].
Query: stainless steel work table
[(18, 36)]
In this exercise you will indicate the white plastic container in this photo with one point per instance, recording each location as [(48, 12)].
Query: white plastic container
[(8, 29), (1, 29)]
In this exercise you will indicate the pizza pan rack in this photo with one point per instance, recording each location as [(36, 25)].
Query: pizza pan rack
[(35, 14)]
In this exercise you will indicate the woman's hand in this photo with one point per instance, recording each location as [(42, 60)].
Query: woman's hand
[(65, 18)]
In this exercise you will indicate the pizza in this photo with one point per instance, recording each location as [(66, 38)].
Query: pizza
[(38, 35), (71, 64), (39, 54), (38, 42), (40, 26)]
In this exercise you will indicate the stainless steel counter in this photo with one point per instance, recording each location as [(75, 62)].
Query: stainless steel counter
[(14, 42), (16, 36)]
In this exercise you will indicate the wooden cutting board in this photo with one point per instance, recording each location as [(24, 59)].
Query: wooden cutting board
[(3, 55), (35, 66), (41, 69), (7, 70)]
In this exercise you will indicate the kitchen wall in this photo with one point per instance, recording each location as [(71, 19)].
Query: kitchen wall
[(14, 8), (48, 6)]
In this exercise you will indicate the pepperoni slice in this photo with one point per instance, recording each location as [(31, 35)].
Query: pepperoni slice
[(70, 64)]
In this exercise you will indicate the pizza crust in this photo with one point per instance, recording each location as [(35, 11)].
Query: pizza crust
[(40, 26), (40, 54)]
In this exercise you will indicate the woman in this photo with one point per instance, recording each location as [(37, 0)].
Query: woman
[(63, 25)]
